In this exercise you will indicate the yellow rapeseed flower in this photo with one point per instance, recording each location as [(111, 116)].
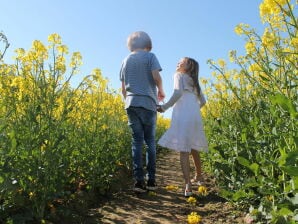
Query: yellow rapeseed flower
[(202, 190), (270, 8), (264, 10), (193, 218), (232, 55), (172, 188), (268, 38), (204, 81), (255, 68), (39, 47), (76, 59), (54, 38), (31, 194), (238, 30), (20, 53), (269, 197), (241, 29), (221, 62), (294, 42), (104, 127), (152, 193), (192, 200), (249, 47), (62, 49), (219, 87)]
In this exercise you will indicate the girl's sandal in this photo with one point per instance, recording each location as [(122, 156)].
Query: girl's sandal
[(187, 191), (197, 181)]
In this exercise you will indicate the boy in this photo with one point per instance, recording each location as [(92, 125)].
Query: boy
[(142, 89)]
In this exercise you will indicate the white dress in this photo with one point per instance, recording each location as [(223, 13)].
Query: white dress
[(186, 131)]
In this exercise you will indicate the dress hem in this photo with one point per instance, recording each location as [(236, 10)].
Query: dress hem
[(176, 147)]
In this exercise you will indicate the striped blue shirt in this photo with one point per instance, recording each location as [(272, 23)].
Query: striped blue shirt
[(136, 72)]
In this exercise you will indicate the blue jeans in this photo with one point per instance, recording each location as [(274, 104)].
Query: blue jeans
[(142, 123)]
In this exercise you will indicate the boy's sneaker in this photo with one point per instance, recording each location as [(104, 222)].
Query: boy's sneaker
[(151, 185), (139, 187)]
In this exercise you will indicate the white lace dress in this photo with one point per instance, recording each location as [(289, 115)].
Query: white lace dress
[(186, 131)]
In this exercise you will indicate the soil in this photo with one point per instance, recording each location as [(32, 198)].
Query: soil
[(122, 205)]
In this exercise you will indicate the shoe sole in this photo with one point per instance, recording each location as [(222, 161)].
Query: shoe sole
[(198, 183), (187, 194), (151, 188), (139, 190)]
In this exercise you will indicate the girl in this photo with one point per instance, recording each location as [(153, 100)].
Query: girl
[(186, 133)]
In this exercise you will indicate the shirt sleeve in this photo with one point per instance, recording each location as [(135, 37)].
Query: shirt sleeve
[(155, 63), (178, 91)]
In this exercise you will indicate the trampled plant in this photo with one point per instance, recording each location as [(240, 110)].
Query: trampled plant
[(251, 117)]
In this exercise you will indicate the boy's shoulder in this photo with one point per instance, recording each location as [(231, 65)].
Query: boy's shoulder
[(142, 54)]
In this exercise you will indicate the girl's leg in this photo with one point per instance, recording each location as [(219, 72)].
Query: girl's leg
[(184, 161), (198, 165)]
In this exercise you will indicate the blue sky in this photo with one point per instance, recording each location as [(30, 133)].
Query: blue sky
[(99, 29)]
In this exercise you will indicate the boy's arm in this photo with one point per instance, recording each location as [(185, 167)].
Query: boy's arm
[(123, 90), (158, 81)]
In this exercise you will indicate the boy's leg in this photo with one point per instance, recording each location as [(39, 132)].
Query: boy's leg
[(149, 122), (137, 143)]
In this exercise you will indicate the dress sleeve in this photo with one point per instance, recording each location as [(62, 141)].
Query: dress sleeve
[(178, 90)]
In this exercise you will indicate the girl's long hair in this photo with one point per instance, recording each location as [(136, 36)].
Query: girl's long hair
[(193, 71)]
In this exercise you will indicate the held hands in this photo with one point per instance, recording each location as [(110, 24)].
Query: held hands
[(159, 109), (160, 95)]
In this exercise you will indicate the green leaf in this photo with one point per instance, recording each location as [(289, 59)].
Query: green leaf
[(285, 212), (291, 170), (295, 182), (284, 103), (255, 168), (223, 167), (243, 161), (292, 158), (239, 194), (226, 194), (13, 140), (282, 159), (244, 135)]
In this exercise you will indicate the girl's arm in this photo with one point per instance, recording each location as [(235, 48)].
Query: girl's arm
[(178, 91), (174, 98)]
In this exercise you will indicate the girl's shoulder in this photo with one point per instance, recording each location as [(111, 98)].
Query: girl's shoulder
[(178, 75), (181, 74), (184, 76)]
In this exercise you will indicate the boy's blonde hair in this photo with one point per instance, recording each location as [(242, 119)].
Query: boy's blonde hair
[(139, 40)]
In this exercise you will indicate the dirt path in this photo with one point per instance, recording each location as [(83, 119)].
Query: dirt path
[(165, 206)]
